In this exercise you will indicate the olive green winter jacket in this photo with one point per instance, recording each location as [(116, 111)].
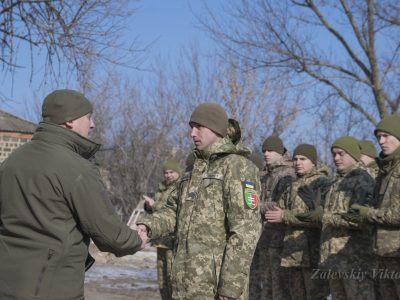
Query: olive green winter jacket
[(52, 201)]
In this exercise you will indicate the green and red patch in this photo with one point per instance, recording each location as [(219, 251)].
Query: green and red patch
[(250, 195)]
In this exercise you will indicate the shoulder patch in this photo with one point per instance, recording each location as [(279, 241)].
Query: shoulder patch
[(249, 195)]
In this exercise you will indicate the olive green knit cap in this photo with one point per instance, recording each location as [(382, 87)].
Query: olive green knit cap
[(273, 143), (172, 165), (62, 106), (212, 116), (308, 151), (368, 148), (390, 124), (350, 145)]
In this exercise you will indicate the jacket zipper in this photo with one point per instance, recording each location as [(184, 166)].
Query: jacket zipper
[(43, 271)]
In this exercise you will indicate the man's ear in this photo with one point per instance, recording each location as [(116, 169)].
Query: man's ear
[(69, 124)]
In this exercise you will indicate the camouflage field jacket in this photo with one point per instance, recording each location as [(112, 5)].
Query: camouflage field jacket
[(386, 216), (273, 184), (344, 245), (215, 215), (160, 200), (301, 241)]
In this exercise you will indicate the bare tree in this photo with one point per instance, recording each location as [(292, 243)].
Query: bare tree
[(68, 35), (347, 49)]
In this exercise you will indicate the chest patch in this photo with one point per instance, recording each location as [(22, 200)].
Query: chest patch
[(250, 195)]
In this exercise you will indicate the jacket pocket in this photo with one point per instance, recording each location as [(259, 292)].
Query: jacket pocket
[(43, 271)]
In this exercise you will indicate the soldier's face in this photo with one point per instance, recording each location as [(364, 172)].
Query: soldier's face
[(170, 176), (342, 159), (271, 157), (203, 137), (82, 125), (302, 164), (388, 142)]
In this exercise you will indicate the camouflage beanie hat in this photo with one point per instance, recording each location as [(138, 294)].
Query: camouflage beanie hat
[(212, 116), (390, 124), (273, 143), (308, 151), (368, 148), (172, 165), (348, 144), (62, 106)]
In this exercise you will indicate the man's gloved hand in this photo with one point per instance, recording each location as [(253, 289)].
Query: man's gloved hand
[(356, 214), (311, 216), (308, 195)]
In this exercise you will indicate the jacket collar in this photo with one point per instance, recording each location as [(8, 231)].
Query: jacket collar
[(55, 134)]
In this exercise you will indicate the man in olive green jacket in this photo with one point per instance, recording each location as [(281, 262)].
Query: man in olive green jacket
[(214, 212), (52, 201)]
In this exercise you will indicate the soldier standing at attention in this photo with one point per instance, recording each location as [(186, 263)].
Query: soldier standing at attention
[(171, 172), (214, 212), (268, 280), (301, 243), (347, 258), (368, 157), (52, 201), (385, 214)]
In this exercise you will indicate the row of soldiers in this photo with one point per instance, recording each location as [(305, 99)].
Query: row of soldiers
[(322, 235)]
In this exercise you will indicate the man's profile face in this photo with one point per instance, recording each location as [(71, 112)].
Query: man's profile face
[(271, 157), (388, 142), (83, 125), (202, 136), (342, 159), (170, 176)]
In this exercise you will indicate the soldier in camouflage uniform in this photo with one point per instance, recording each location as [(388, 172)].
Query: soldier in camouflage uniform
[(214, 212), (386, 212), (347, 258), (368, 157), (301, 243), (268, 280), (171, 172)]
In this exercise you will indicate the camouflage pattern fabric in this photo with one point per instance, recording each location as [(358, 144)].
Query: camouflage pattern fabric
[(346, 246), (352, 289), (372, 169), (164, 268), (301, 242), (215, 214), (303, 286), (266, 275), (164, 245), (386, 217)]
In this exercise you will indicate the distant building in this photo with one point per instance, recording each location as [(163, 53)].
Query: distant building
[(14, 132)]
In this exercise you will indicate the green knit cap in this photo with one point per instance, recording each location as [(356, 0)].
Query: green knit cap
[(350, 145), (390, 124), (273, 143), (62, 106), (368, 148), (172, 165), (308, 151), (212, 116)]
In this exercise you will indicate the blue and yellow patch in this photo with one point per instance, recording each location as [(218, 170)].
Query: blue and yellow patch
[(250, 195)]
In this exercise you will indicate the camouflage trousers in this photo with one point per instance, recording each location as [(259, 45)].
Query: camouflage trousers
[(351, 289), (164, 267), (268, 280), (305, 287), (387, 277)]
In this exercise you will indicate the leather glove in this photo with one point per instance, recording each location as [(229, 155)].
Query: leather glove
[(89, 261), (311, 216)]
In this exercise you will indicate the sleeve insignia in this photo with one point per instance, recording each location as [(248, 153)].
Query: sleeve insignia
[(250, 195)]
